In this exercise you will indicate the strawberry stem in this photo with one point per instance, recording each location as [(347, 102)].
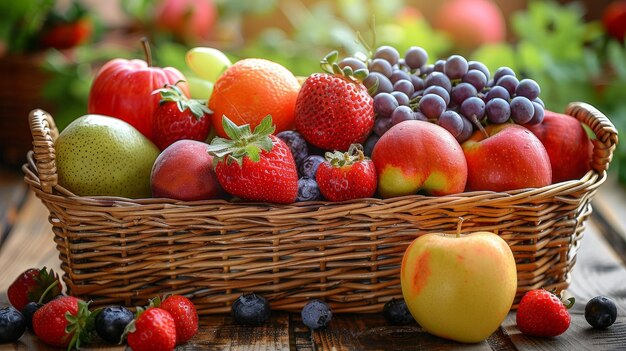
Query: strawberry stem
[(48, 289), (146, 50)]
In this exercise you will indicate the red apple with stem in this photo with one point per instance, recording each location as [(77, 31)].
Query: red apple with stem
[(123, 89)]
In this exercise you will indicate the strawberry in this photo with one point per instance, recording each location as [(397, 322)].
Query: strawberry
[(347, 175), (185, 316), (334, 110), (152, 330), (64, 322), (255, 166), (541, 313), (31, 285), (177, 117)]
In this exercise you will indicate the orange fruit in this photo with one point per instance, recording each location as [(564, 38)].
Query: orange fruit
[(251, 89)]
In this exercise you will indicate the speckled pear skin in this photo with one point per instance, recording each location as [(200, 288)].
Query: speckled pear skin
[(100, 155)]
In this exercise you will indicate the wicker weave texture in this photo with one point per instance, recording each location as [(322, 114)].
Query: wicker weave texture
[(116, 250)]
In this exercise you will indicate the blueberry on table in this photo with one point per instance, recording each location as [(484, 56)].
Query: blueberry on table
[(316, 314), (600, 312), (111, 322), (12, 324), (396, 312), (251, 309), (29, 311)]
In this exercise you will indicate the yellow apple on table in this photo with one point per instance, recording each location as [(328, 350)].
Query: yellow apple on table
[(459, 287)]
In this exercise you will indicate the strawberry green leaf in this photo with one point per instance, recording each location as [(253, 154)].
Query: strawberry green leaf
[(242, 141)]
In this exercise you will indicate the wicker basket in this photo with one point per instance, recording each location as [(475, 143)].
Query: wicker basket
[(118, 250)]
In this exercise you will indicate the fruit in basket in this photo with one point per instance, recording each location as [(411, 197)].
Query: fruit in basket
[(178, 117), (600, 312), (153, 329), (189, 20), (62, 322), (123, 89), (334, 109), (111, 322), (471, 23), (567, 143), (316, 314), (347, 175), (251, 309), (297, 145), (541, 313), (459, 287), (207, 63), (308, 190), (511, 157), (100, 155), (251, 89), (185, 316), (12, 324), (419, 156), (184, 171), (255, 166), (31, 285)]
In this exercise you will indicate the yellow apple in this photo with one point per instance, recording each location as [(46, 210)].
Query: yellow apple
[(459, 287)]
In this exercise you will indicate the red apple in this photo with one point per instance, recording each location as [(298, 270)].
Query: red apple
[(471, 23), (418, 155), (614, 20), (184, 171), (123, 89), (511, 157), (189, 20), (568, 145)]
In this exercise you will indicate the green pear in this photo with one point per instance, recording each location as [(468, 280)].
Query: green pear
[(100, 155)]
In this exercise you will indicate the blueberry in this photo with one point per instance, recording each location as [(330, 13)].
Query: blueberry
[(251, 309), (397, 313), (12, 324), (600, 312), (369, 144), (29, 311), (111, 322), (296, 143), (316, 314), (309, 166), (308, 190)]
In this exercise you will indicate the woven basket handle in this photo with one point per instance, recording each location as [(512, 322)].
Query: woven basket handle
[(44, 132), (605, 131)]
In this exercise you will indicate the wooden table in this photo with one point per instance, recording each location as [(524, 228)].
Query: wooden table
[(600, 270)]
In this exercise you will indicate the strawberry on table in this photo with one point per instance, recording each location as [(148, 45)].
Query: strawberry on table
[(347, 175), (541, 313), (185, 316), (334, 109), (152, 330), (255, 166), (31, 284), (177, 117), (63, 322)]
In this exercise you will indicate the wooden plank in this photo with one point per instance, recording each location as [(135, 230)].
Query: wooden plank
[(609, 205), (13, 192)]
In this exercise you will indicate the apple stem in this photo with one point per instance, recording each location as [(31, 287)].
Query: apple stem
[(146, 50), (458, 227), (480, 127)]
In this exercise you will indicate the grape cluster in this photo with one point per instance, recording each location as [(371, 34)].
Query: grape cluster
[(457, 94)]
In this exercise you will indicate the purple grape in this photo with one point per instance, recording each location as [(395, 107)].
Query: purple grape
[(432, 106), (388, 53), (381, 66), (455, 67), (461, 92), (405, 86), (419, 116), (427, 69), (498, 110), (522, 110), (398, 75), (435, 89), (528, 88), (538, 115), (352, 62), (468, 130), (440, 79), (384, 104), (509, 83), (473, 107), (415, 57), (503, 71), (402, 98), (308, 190), (498, 92), (476, 65), (370, 142), (452, 122), (309, 166), (297, 144), (401, 65), (418, 83), (540, 102), (401, 114), (382, 125), (475, 78), (440, 66), (384, 85)]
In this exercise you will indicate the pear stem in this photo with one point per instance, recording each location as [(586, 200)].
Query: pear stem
[(458, 227), (146, 50)]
